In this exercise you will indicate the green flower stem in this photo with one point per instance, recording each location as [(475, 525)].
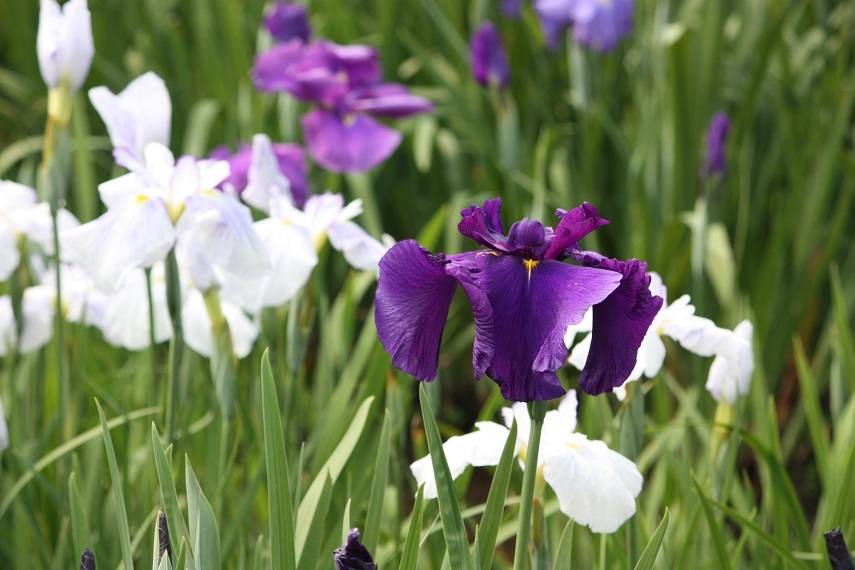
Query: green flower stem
[(151, 333), (176, 345), (537, 412)]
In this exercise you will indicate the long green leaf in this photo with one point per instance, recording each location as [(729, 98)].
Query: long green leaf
[(79, 528), (203, 526), (648, 556), (492, 519), (410, 554), (278, 486), (371, 534), (564, 555), (309, 556), (452, 521), (121, 512), (333, 467), (168, 494), (719, 547)]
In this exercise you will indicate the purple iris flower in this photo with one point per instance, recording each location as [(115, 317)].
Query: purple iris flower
[(716, 139), (346, 84), (488, 57), (286, 21), (523, 298), (511, 8), (291, 161), (353, 555), (597, 24)]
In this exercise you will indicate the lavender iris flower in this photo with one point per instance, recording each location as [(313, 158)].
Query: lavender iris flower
[(511, 8), (353, 555), (289, 156), (345, 83), (716, 139), (597, 24), (523, 298), (488, 57), (286, 21)]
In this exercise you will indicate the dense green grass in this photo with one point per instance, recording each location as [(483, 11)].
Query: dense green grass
[(623, 131)]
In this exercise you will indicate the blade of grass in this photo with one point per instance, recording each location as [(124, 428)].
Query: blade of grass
[(564, 554), (648, 555), (489, 528), (166, 478), (203, 526), (719, 547), (79, 528), (374, 515), (410, 553)]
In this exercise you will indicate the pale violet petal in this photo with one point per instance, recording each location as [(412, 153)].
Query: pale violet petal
[(595, 486), (360, 249), (730, 372), (480, 448), (118, 190), (265, 181), (78, 48), (212, 172), (10, 256), (184, 180), (48, 41), (134, 235), (159, 165)]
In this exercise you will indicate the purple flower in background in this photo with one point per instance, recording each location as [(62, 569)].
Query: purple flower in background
[(345, 83), (289, 157), (511, 8), (353, 555), (716, 139), (488, 57), (286, 21), (597, 24), (523, 298)]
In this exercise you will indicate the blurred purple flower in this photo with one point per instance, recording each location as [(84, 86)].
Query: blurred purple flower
[(353, 555), (597, 24), (289, 156), (488, 57), (716, 139), (345, 83), (511, 8), (523, 298), (286, 21)]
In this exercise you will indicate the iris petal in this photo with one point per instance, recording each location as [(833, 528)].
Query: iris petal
[(413, 296), (574, 225), (354, 144)]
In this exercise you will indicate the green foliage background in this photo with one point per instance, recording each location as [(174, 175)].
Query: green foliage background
[(624, 131)]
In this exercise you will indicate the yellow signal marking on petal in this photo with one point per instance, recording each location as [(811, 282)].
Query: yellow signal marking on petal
[(209, 192), (529, 265), (141, 198)]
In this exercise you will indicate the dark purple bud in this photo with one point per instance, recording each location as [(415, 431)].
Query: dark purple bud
[(87, 561), (489, 61), (838, 553), (286, 21), (716, 139), (353, 555)]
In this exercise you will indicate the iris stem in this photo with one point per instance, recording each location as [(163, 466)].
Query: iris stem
[(176, 345), (537, 411), (151, 333)]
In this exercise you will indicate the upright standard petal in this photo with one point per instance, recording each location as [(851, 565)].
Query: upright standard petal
[(572, 227), (139, 115), (595, 486), (64, 43), (354, 143), (620, 323), (484, 225), (413, 297), (264, 180), (533, 304), (136, 234), (488, 58), (286, 21)]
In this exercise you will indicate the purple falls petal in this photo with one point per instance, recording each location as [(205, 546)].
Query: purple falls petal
[(484, 225), (353, 555), (601, 24), (488, 58), (389, 100), (533, 304), (354, 143), (272, 69), (286, 21), (574, 225), (620, 323), (413, 296), (466, 267)]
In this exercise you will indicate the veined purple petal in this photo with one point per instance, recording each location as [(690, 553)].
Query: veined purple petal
[(292, 164), (389, 100), (272, 69), (574, 225), (353, 144), (601, 24), (555, 17), (466, 267), (716, 138), (484, 225), (527, 237), (286, 21), (533, 304), (361, 64), (413, 296), (620, 323), (488, 58)]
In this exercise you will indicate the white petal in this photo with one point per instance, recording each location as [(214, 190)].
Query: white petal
[(651, 355), (585, 325), (184, 180), (10, 257), (698, 335), (8, 327), (518, 411), (730, 373), (321, 211), (134, 235), (14, 196), (137, 116), (212, 172), (560, 423), (126, 320), (48, 41), (265, 181), (360, 249), (595, 486), (480, 448), (197, 326), (77, 48), (4, 429), (39, 306), (223, 229), (242, 329), (579, 354)]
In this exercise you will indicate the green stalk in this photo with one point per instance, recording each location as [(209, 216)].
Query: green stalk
[(176, 345), (537, 412), (151, 335)]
